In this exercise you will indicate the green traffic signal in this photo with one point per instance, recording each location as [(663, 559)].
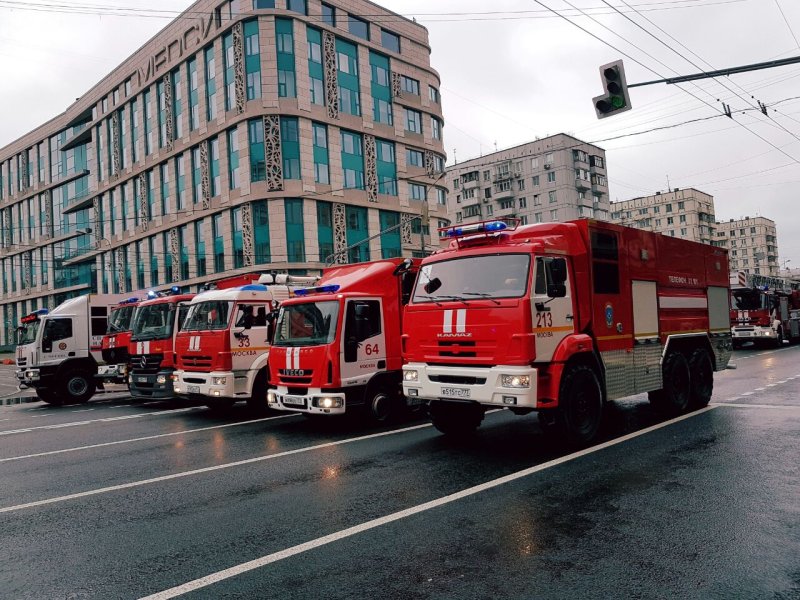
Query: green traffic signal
[(616, 97)]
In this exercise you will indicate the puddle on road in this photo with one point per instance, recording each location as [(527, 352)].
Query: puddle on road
[(19, 400)]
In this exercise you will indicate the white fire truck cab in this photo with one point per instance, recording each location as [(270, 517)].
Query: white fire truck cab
[(61, 360)]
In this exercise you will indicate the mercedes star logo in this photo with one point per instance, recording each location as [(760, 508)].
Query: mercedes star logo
[(143, 362)]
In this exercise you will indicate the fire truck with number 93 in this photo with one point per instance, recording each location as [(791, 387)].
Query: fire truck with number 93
[(561, 318)]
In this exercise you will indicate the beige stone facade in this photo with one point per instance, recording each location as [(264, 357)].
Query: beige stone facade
[(687, 214), (557, 178), (203, 153), (752, 244)]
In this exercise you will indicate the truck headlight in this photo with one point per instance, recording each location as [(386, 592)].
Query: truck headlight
[(328, 402), (410, 375), (271, 397), (161, 379), (515, 381), (219, 380)]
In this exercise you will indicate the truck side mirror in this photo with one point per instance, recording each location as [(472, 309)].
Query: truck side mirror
[(433, 285), (402, 267)]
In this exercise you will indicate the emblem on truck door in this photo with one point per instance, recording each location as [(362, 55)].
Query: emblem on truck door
[(609, 315)]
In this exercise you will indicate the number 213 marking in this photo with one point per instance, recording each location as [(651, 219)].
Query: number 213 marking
[(544, 319)]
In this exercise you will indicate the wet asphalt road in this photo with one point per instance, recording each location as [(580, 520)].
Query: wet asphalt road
[(117, 499)]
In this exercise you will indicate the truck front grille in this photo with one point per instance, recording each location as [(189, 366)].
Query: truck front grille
[(457, 349), (196, 362), (458, 379), (146, 363)]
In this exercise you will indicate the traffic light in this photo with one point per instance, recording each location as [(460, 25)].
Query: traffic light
[(616, 98)]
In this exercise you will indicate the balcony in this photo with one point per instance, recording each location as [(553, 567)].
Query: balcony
[(581, 184), (81, 200), (580, 158)]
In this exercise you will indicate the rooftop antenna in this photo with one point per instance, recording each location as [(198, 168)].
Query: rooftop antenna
[(668, 186), (455, 158), (495, 145)]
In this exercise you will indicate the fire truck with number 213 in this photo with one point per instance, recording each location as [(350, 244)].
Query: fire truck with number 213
[(561, 318)]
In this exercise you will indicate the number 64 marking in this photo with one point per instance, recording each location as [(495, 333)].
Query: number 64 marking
[(371, 349)]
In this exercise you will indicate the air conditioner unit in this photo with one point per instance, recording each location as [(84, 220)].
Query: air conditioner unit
[(548, 166), (486, 200)]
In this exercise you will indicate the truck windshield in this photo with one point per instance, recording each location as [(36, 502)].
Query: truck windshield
[(120, 319), (469, 278), (206, 316), (747, 299), (26, 334), (307, 324), (153, 322)]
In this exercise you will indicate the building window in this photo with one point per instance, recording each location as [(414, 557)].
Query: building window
[(357, 232), (219, 243), (386, 167), (552, 196), (258, 164), (390, 41), (177, 105), (321, 158), (415, 158), (597, 161), (324, 230), (416, 191), (252, 60), (352, 160), (521, 185), (163, 175), (284, 40), (409, 85), (381, 90), (229, 73), (197, 176), (315, 68), (200, 248), (523, 203), (213, 167), (328, 15), (554, 214), (180, 182), (551, 177), (436, 128), (261, 246), (391, 243), (290, 147), (441, 197), (211, 84), (535, 180), (413, 120), (233, 158), (295, 231), (548, 158), (264, 4), (298, 6), (349, 88), (183, 235), (433, 94), (194, 95), (358, 27)]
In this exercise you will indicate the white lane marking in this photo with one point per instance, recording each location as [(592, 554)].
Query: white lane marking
[(351, 531), (80, 411), (105, 420), (761, 389), (784, 406), (248, 461), (748, 393), (141, 439)]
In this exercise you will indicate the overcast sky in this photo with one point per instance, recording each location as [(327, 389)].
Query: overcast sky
[(510, 76)]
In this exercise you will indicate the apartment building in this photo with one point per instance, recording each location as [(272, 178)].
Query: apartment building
[(752, 244), (687, 214), (247, 135), (557, 178)]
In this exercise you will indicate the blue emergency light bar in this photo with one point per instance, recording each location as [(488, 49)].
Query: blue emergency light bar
[(253, 287), (130, 301), (322, 289), (41, 311), (489, 227)]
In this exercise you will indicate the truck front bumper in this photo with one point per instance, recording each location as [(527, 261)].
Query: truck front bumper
[(151, 385), (28, 376), (496, 386), (115, 373), (217, 384), (315, 401), (754, 333)]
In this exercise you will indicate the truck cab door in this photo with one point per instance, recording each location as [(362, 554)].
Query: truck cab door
[(249, 338), (363, 345), (58, 339), (553, 312)]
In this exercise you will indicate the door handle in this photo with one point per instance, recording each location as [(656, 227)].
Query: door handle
[(569, 317), (70, 354), (619, 327)]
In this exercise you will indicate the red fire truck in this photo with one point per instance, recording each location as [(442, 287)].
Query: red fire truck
[(764, 310), (155, 328), (115, 343), (337, 345), (561, 317), (224, 344)]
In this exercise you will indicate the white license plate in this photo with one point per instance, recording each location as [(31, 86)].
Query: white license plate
[(141, 379), (294, 400), (193, 389), (451, 392)]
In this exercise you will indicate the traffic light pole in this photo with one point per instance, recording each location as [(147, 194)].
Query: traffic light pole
[(719, 72)]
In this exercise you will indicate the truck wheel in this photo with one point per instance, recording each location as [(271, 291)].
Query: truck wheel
[(49, 396), (77, 387), (456, 419), (580, 403), (257, 402), (701, 377), (385, 407), (673, 397)]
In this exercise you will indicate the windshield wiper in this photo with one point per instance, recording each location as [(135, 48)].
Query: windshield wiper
[(483, 295)]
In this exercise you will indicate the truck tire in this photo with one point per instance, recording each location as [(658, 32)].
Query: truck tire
[(257, 402), (580, 406), (49, 396), (385, 407), (77, 386), (673, 398), (701, 377), (456, 419)]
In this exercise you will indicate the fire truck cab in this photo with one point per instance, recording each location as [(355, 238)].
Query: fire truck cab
[(224, 344), (61, 361), (114, 347), (155, 327), (764, 310), (561, 317), (337, 345)]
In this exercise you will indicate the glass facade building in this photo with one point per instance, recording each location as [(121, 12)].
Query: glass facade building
[(259, 137)]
